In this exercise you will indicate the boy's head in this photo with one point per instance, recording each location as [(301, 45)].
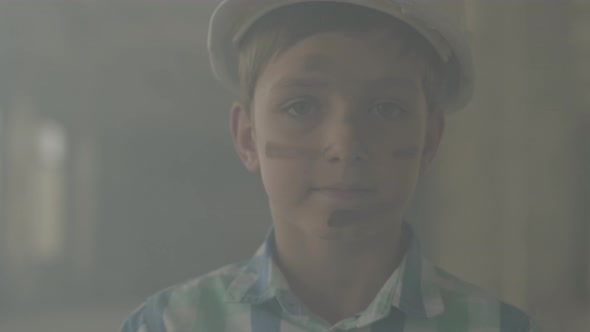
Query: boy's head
[(340, 113), (440, 23)]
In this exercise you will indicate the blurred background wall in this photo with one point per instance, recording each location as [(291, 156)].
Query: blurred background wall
[(118, 177)]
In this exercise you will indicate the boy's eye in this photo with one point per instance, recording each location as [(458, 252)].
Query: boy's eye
[(300, 108), (387, 110)]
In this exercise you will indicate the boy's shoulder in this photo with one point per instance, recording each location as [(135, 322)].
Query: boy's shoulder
[(454, 286), (182, 302), (209, 288), (216, 281), (464, 299)]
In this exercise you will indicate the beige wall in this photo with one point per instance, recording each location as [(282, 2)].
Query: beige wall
[(512, 178)]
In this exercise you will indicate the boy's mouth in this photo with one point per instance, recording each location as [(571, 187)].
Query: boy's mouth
[(341, 191)]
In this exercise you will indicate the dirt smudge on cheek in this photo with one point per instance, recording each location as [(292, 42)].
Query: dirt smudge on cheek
[(276, 151)]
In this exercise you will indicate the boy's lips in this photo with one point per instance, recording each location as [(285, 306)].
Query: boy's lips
[(344, 191)]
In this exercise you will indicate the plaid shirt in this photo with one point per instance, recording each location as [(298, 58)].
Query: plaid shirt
[(254, 296)]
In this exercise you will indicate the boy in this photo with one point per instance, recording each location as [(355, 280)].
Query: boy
[(342, 110)]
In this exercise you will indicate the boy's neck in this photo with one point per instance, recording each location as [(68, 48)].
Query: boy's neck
[(336, 279)]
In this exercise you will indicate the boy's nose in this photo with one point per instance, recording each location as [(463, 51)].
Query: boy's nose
[(345, 142)]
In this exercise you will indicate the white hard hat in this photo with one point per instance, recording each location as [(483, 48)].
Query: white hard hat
[(441, 22)]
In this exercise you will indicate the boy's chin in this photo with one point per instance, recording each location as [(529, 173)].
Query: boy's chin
[(344, 218)]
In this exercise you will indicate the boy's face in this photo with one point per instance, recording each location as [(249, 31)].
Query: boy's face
[(340, 131)]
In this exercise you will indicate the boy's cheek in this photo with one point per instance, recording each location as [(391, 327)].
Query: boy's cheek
[(281, 151), (285, 180)]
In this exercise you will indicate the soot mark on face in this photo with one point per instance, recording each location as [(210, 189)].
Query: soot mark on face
[(278, 151)]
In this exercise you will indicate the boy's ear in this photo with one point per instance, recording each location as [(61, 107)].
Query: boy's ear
[(242, 131), (435, 126)]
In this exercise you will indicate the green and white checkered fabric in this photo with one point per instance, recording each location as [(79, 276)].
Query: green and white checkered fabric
[(254, 296)]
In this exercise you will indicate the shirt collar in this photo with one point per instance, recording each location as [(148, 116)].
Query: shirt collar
[(412, 288), (417, 293), (260, 279)]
